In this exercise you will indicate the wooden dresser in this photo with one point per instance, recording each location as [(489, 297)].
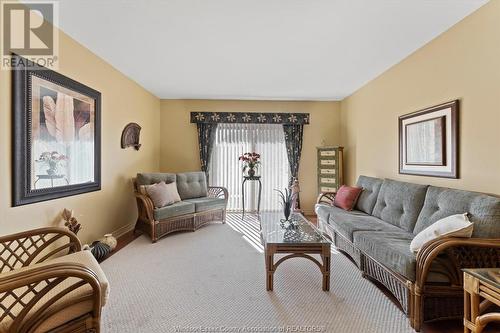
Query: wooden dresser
[(330, 171)]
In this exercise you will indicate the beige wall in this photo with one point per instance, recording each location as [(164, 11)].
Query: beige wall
[(123, 101), (463, 63), (179, 145)]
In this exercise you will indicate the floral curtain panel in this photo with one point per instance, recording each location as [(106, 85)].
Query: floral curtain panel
[(206, 138), (293, 142)]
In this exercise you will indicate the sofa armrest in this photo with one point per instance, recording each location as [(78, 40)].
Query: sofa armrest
[(218, 192), (32, 290), (35, 246), (145, 207), (326, 198), (464, 252)]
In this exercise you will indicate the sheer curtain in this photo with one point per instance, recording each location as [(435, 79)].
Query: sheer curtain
[(231, 141)]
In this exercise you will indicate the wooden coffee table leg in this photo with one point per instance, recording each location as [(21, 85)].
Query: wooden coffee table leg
[(326, 267), (269, 253)]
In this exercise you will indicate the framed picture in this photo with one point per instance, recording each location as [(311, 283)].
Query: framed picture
[(57, 135), (428, 141)]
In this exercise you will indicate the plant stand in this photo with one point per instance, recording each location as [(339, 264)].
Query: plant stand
[(251, 178)]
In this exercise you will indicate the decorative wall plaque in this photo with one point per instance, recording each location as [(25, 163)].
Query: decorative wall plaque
[(131, 136)]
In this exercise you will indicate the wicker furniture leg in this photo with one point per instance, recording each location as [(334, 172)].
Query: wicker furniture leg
[(325, 268), (269, 254)]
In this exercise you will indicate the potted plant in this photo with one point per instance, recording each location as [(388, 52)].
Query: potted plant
[(287, 198), (251, 162)]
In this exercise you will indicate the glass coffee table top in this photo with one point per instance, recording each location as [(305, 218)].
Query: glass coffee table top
[(488, 275), (274, 233)]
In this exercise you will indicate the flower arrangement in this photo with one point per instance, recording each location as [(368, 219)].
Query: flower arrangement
[(53, 160), (251, 161)]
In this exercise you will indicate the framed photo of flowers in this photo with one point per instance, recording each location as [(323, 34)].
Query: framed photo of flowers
[(56, 136)]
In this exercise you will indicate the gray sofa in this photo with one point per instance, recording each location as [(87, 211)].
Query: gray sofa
[(388, 215), (199, 205)]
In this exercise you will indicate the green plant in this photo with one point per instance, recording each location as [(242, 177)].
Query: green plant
[(287, 197)]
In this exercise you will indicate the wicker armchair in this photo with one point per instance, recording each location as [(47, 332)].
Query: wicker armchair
[(48, 284), (158, 228)]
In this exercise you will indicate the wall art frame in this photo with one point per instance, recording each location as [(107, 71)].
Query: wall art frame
[(56, 135), (429, 141)]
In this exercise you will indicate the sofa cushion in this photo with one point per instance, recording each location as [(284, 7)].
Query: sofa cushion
[(347, 224), (457, 225), (176, 209), (162, 194), (368, 197), (206, 203), (323, 212), (484, 210), (154, 178), (399, 203), (392, 249), (347, 196), (192, 185)]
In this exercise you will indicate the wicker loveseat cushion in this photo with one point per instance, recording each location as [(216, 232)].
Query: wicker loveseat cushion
[(368, 197), (176, 209), (71, 305), (348, 225), (204, 204), (440, 202), (154, 178), (192, 185), (399, 203)]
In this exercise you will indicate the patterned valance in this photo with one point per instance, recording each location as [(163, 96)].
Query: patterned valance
[(250, 118)]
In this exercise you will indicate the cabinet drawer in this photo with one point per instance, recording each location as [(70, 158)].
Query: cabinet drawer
[(327, 180), (328, 189), (327, 171), (327, 162), (327, 153)]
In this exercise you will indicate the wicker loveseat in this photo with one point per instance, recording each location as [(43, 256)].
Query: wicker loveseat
[(47, 283), (388, 215), (200, 204)]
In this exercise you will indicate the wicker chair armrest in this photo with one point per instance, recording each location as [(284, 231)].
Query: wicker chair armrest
[(28, 286), (326, 198), (34, 246), (218, 192), (145, 206), (432, 249)]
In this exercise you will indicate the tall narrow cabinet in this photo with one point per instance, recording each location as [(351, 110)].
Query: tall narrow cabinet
[(330, 171)]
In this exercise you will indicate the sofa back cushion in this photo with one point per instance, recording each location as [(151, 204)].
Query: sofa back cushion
[(192, 185), (368, 197), (483, 209), (155, 178), (399, 203)]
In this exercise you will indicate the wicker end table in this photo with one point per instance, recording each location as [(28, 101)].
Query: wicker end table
[(481, 289)]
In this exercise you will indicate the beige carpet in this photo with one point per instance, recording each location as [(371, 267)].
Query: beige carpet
[(213, 280)]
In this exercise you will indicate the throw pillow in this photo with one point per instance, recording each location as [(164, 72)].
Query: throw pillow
[(163, 194), (454, 225), (347, 196)]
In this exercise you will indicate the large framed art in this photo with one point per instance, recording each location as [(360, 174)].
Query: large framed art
[(56, 136), (428, 141)]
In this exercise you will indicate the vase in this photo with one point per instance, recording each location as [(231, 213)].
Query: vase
[(99, 250), (251, 172), (109, 240)]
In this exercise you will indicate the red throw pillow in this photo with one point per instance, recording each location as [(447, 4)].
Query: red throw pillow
[(347, 196)]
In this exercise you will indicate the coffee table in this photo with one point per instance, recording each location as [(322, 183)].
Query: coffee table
[(303, 241)]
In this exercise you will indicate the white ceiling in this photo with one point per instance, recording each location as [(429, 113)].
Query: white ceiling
[(257, 49)]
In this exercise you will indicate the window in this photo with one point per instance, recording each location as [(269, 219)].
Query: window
[(231, 141)]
